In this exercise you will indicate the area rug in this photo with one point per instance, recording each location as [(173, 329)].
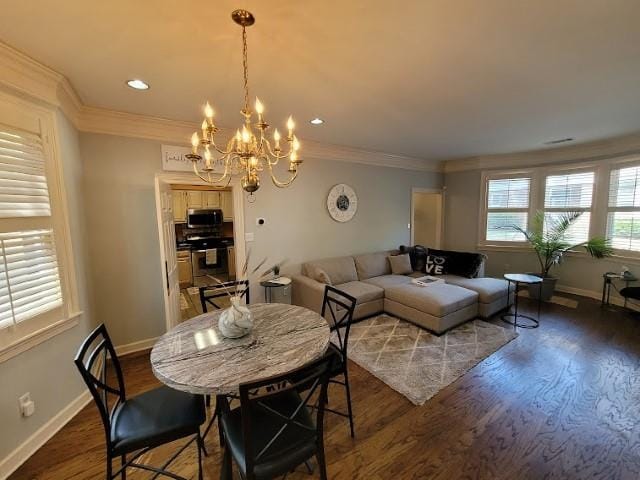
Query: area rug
[(416, 363)]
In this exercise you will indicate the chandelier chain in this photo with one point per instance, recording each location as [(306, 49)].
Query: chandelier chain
[(246, 69)]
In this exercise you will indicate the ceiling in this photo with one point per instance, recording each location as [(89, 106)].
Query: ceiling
[(430, 79)]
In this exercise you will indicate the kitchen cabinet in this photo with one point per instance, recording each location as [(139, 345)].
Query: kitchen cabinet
[(212, 199), (194, 199), (185, 273), (185, 199), (226, 204), (231, 262), (179, 206)]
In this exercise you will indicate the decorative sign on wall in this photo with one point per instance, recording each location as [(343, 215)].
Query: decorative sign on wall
[(342, 202), (174, 159)]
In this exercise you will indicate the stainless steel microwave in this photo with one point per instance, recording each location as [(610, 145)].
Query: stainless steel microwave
[(203, 217)]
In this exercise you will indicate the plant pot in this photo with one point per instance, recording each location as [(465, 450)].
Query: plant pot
[(548, 287)]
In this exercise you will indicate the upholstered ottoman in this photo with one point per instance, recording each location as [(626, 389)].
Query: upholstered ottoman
[(492, 292), (437, 307)]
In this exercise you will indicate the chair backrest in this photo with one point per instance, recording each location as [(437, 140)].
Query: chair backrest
[(274, 397), (340, 306), (94, 356), (239, 288)]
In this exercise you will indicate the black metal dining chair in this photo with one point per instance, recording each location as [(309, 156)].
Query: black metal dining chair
[(338, 308), (273, 430), (210, 293), (138, 424)]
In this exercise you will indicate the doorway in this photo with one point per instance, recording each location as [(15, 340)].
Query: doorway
[(427, 217), (201, 233)]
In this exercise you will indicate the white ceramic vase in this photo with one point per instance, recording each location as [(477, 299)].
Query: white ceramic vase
[(236, 321)]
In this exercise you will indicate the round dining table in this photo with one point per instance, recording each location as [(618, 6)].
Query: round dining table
[(194, 357)]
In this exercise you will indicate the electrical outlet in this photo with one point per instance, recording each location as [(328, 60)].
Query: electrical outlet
[(249, 237), (27, 406)]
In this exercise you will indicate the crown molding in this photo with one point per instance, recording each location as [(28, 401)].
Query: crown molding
[(110, 122), (591, 151)]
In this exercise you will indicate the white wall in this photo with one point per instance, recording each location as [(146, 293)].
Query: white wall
[(47, 370), (581, 274), (126, 277)]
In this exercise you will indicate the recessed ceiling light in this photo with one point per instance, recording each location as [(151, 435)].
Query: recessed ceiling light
[(138, 84), (316, 121), (560, 140)]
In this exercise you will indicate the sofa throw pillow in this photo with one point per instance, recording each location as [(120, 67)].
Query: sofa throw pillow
[(321, 276), (464, 264), (436, 264), (400, 264), (418, 256)]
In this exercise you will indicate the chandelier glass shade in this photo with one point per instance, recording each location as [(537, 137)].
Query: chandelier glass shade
[(249, 152)]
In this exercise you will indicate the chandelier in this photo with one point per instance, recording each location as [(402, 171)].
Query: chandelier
[(246, 153)]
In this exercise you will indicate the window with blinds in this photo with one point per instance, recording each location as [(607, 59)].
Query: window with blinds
[(29, 275), (571, 192), (623, 217), (507, 206)]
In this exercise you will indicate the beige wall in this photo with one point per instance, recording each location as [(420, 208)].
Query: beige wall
[(427, 221), (47, 370), (123, 241), (579, 273)]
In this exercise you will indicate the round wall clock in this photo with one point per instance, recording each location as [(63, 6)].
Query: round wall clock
[(342, 203)]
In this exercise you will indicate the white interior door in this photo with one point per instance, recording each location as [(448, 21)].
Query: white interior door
[(168, 258), (426, 218)]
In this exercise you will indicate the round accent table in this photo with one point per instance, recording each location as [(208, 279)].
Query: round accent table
[(281, 282), (521, 279)]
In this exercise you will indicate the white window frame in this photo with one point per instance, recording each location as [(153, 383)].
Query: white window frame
[(484, 210), (538, 177), (623, 162), (16, 339), (568, 170)]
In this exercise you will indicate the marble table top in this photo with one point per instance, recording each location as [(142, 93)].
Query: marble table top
[(194, 357), (522, 278)]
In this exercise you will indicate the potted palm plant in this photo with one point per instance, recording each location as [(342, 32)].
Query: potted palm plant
[(550, 244)]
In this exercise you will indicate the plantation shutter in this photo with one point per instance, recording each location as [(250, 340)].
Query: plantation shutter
[(29, 274), (507, 206), (571, 192), (623, 217), (23, 183)]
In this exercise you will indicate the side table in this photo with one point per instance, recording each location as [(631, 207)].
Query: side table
[(283, 283), (608, 279), (525, 279)]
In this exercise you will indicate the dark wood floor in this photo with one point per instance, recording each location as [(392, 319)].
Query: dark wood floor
[(559, 402)]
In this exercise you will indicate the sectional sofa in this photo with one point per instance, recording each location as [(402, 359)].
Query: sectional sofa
[(368, 278)]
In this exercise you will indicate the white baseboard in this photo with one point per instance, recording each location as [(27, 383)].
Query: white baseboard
[(136, 346), (11, 462), (615, 299)]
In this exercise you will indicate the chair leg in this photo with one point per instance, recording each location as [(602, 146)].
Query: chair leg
[(348, 389), (200, 447), (123, 460), (226, 468), (321, 463), (109, 477)]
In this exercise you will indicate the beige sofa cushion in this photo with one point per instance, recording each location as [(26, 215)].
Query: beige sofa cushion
[(400, 264), (386, 281), (338, 269), (488, 289), (372, 265), (437, 300), (363, 292)]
